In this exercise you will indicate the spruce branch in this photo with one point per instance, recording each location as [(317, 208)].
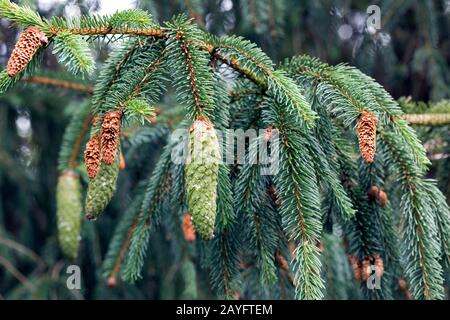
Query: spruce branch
[(223, 263), (73, 52), (300, 208), (315, 107), (148, 216), (349, 92), (22, 15), (112, 70), (104, 31), (59, 83), (143, 77), (261, 232), (421, 234), (434, 119), (190, 67), (124, 248), (122, 236)]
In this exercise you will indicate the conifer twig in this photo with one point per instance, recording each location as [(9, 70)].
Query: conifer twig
[(16, 273), (104, 31), (25, 251), (47, 81), (162, 33), (124, 247), (234, 64), (434, 119)]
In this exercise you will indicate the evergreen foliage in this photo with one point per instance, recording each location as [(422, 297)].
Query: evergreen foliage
[(275, 236)]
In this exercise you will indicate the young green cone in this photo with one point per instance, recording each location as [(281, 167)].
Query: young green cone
[(201, 176), (101, 189), (69, 212)]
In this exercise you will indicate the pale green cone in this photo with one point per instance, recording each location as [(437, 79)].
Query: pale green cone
[(202, 170), (101, 189), (69, 212), (189, 276)]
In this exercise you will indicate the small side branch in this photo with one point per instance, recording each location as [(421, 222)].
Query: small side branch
[(434, 119), (47, 81)]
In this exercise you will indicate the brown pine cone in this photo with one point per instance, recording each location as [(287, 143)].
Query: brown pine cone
[(110, 135), (377, 193), (366, 269), (188, 228), (281, 261), (111, 282), (356, 266), (92, 156), (26, 47), (379, 266), (367, 136)]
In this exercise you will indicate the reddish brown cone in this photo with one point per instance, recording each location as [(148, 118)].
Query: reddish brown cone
[(366, 270), (92, 156), (356, 266), (111, 282), (367, 136), (188, 228), (378, 194), (122, 163), (29, 42), (379, 266), (110, 136), (366, 267), (281, 261)]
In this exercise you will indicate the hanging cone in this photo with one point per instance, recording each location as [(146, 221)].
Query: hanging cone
[(26, 47), (366, 269), (281, 261), (188, 228), (92, 157), (69, 212), (356, 266), (367, 136), (110, 135), (378, 194), (101, 189), (202, 171), (111, 282)]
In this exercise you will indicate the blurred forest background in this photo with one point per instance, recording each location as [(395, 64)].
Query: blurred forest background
[(409, 56)]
